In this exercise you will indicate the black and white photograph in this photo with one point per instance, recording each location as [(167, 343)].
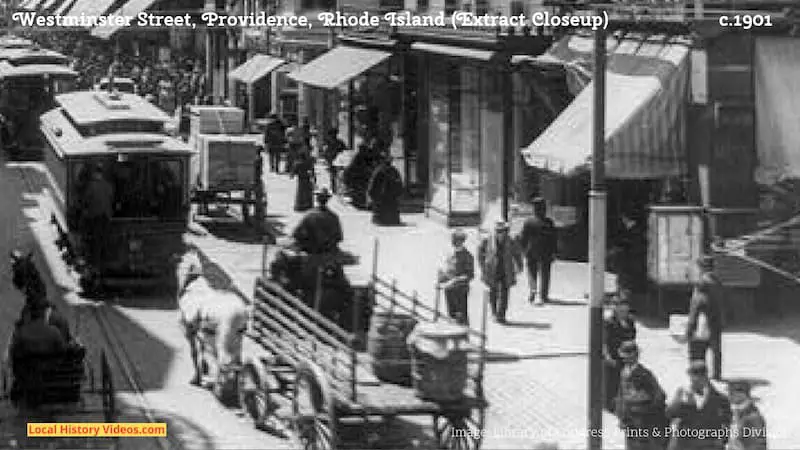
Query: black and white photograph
[(399, 224)]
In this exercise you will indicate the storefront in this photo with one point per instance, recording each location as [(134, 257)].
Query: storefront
[(647, 95), (464, 126)]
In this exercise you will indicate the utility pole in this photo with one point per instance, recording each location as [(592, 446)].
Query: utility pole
[(597, 247)]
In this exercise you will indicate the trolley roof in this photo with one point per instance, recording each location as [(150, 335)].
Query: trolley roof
[(8, 42), (90, 107), (33, 70), (22, 56), (67, 141)]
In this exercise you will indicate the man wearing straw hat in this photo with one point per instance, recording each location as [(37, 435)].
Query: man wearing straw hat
[(500, 261)]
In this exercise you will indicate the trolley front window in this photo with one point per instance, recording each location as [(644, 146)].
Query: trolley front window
[(142, 187)]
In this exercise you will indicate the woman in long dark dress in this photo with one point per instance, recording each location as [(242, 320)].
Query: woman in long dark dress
[(384, 191), (304, 170)]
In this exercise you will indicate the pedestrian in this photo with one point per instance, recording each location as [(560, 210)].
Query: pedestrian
[(454, 278), (295, 143), (701, 413), (641, 402), (333, 147), (275, 140), (304, 170), (98, 208), (320, 230), (258, 188), (748, 427), (500, 261), (357, 174), (384, 190), (538, 241), (704, 326), (618, 327), (628, 256)]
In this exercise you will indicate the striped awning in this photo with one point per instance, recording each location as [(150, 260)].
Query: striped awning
[(777, 65), (91, 8), (646, 89), (129, 9)]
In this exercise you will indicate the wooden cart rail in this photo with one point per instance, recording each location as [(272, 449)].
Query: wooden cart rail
[(390, 299), (296, 333)]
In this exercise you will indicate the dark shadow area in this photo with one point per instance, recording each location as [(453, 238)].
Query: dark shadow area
[(528, 325), (237, 232), (501, 357), (382, 434), (786, 326)]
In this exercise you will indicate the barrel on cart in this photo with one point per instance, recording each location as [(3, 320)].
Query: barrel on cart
[(294, 353)]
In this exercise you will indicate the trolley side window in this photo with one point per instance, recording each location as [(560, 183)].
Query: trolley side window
[(142, 187)]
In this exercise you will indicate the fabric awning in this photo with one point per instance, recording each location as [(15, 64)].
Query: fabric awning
[(458, 52), (646, 91), (338, 66), (91, 8), (256, 68), (49, 4), (64, 7), (26, 4), (130, 9), (777, 65)]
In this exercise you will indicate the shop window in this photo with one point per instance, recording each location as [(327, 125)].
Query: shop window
[(450, 6), (466, 143), (422, 6), (439, 137), (481, 7)]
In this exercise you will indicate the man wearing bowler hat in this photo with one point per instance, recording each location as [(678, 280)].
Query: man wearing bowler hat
[(538, 242), (500, 261), (320, 230), (702, 413), (704, 327)]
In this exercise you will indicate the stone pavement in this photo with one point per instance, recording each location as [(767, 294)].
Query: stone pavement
[(536, 378)]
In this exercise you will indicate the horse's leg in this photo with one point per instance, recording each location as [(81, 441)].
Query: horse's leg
[(190, 336)]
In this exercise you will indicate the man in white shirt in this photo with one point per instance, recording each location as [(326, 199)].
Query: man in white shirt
[(703, 414)]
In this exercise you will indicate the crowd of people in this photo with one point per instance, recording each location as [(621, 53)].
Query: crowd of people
[(93, 58), (370, 179)]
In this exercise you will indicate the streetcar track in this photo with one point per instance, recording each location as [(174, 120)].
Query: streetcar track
[(113, 346)]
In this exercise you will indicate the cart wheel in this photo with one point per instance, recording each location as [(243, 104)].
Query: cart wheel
[(462, 430), (253, 397), (314, 414), (107, 390)]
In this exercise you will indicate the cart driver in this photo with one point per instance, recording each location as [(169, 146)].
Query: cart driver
[(36, 337)]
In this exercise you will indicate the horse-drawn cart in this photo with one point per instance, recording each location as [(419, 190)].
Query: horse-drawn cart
[(296, 352)]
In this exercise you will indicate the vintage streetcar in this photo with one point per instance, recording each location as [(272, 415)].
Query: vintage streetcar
[(116, 143), (30, 79)]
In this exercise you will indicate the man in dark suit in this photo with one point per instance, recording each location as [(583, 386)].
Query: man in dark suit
[(275, 140), (538, 242), (641, 400), (618, 328), (703, 414), (320, 230), (704, 328), (500, 261)]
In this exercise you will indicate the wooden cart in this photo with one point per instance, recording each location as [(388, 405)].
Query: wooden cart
[(294, 351)]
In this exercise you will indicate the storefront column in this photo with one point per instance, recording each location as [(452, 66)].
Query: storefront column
[(351, 129), (302, 98), (508, 137), (233, 62), (251, 106)]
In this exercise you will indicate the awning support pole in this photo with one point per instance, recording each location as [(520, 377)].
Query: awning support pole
[(597, 247), (508, 137)]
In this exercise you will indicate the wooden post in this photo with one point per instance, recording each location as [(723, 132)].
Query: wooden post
[(436, 299), (414, 301), (356, 314), (353, 371), (375, 248), (484, 320)]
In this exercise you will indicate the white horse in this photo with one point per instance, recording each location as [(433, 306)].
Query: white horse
[(214, 322)]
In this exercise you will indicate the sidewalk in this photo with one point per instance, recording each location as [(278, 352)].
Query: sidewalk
[(536, 379)]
